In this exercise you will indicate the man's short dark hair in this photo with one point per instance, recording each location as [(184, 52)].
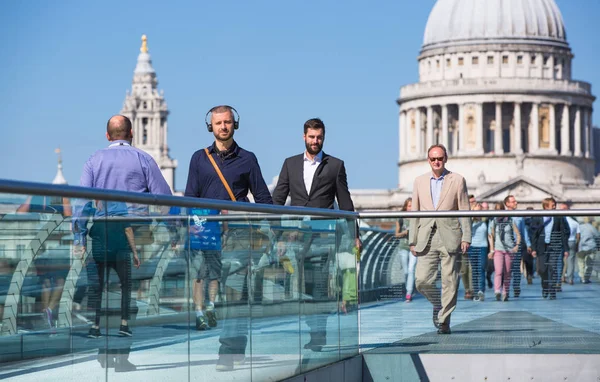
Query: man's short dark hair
[(119, 127), (439, 146), (508, 198), (315, 124)]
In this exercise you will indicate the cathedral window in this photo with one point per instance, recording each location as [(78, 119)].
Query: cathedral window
[(144, 131), (145, 105), (461, 61), (546, 60), (519, 59), (437, 64), (504, 60), (533, 59), (475, 60), (490, 60), (448, 62)]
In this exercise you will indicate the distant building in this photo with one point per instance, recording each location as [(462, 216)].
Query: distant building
[(496, 88), (148, 111)]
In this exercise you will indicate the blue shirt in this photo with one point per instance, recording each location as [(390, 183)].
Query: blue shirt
[(118, 167), (479, 232), (548, 223), (436, 187), (240, 169), (520, 223)]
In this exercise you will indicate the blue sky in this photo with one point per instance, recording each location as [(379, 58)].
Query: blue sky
[(65, 67)]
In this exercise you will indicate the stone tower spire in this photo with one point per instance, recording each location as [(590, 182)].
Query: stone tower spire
[(148, 111), (59, 178)]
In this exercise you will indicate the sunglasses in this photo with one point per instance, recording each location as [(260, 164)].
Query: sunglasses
[(439, 159)]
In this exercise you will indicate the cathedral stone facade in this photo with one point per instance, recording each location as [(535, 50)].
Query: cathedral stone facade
[(496, 88), (148, 111)]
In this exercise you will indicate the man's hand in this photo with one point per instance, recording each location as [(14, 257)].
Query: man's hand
[(464, 246), (533, 254), (529, 250), (491, 255), (566, 253), (358, 244), (79, 251), (412, 250), (136, 261)]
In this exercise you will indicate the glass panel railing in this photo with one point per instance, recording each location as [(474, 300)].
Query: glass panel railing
[(534, 293), (172, 292)]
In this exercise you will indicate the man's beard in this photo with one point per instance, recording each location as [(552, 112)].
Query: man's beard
[(310, 149), (219, 138)]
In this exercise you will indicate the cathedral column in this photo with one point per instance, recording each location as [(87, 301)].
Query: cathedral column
[(461, 128), (577, 132), (444, 139), (418, 144), (586, 129), (518, 145), (498, 146), (429, 126), (402, 135), (479, 136), (552, 123), (534, 129), (565, 136)]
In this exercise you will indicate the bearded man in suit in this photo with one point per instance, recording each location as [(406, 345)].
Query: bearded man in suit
[(315, 179), (439, 240)]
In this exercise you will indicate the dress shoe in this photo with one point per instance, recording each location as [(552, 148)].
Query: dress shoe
[(123, 365), (444, 329), (529, 280), (436, 311), (544, 293)]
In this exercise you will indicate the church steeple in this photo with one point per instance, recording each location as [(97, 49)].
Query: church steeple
[(148, 111), (59, 178)]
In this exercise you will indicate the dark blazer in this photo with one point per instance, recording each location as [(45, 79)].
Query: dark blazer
[(329, 182), (560, 235)]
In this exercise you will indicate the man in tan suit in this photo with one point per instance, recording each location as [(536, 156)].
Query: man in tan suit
[(437, 240)]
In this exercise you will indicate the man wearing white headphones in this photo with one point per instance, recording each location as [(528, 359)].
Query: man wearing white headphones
[(222, 171)]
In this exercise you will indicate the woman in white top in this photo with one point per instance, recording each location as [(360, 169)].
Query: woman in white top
[(574, 236), (409, 261)]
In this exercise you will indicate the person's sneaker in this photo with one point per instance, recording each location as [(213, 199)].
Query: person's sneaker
[(505, 297), (201, 323), (481, 295), (408, 298), (211, 316), (94, 333), (225, 363), (498, 296), (125, 331)]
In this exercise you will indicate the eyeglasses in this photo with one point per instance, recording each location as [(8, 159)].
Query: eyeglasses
[(439, 159)]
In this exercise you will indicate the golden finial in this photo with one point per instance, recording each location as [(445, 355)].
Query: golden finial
[(144, 48), (57, 151)]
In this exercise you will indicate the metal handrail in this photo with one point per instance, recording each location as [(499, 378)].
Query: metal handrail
[(469, 213), (44, 189)]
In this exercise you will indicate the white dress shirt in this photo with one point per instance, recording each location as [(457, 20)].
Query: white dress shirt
[(310, 167)]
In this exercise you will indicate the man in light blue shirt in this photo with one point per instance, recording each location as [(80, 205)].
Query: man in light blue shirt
[(524, 250), (124, 168)]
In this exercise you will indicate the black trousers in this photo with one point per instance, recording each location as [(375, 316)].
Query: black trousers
[(110, 250), (548, 265), (123, 269)]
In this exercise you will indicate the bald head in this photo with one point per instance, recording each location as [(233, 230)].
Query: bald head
[(119, 128)]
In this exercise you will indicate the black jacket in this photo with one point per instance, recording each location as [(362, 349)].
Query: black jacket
[(328, 183), (559, 239)]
